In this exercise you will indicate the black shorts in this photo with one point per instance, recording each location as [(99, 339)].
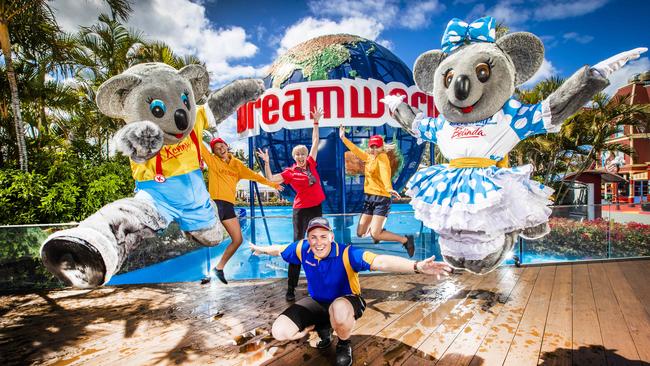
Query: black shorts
[(376, 205), (307, 311), (226, 210)]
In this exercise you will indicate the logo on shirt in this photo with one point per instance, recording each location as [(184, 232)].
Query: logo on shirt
[(174, 151), (467, 133), (310, 263)]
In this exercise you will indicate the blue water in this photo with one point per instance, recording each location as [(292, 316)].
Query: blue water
[(195, 265)]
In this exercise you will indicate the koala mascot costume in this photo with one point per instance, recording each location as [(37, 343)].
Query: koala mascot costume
[(164, 128), (476, 203)]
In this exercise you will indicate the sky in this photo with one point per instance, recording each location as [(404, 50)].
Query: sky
[(240, 39)]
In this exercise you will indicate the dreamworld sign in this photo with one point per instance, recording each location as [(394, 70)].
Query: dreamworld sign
[(348, 102)]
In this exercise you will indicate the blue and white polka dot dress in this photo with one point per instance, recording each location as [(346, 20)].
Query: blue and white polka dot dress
[(490, 200)]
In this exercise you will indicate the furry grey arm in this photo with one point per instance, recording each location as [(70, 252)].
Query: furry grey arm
[(404, 114), (574, 93), (139, 140), (226, 100)]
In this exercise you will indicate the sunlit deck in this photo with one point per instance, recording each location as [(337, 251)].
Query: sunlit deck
[(581, 314)]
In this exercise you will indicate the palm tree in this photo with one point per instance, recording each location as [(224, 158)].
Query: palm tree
[(591, 128), (30, 24)]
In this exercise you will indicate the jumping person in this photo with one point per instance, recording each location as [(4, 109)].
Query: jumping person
[(378, 189), (224, 172), (333, 284), (304, 179)]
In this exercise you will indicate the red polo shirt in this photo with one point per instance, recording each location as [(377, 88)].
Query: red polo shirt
[(306, 195)]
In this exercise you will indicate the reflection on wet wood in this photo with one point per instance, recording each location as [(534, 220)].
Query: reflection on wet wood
[(595, 313)]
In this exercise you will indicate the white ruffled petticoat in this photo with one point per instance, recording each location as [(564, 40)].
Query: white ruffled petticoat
[(473, 208)]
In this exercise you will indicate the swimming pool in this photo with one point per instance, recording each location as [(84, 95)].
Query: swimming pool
[(277, 228)]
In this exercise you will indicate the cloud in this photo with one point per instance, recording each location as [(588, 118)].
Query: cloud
[(567, 9), (418, 14), (181, 24), (308, 28), (545, 71), (620, 77), (580, 38), (411, 14)]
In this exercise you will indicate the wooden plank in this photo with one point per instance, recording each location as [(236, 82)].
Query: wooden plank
[(464, 347), (587, 340), (616, 335), (557, 339), (636, 317), (494, 346), (527, 342), (637, 274), (395, 337), (452, 318)]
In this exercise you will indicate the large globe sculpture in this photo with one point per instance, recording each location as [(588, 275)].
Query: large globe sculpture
[(336, 57)]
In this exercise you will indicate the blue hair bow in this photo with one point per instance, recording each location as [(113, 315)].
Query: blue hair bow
[(458, 32)]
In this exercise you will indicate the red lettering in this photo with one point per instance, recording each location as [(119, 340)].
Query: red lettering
[(270, 107), (242, 121), (367, 103), (463, 133), (292, 109), (326, 91)]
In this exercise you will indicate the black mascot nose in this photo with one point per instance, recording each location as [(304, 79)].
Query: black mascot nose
[(461, 87), (180, 117)]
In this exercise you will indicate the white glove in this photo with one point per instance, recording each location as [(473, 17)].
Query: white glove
[(392, 101), (607, 67)]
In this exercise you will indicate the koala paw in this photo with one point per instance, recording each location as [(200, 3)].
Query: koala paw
[(259, 83), (140, 140)]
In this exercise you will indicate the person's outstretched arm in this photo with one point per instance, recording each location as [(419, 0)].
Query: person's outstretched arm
[(264, 155), (354, 148), (394, 264), (246, 173), (272, 250), (316, 114)]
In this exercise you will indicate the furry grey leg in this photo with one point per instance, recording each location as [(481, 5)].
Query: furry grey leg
[(536, 232), (226, 100), (88, 255), (208, 237), (493, 260), (490, 262), (574, 93)]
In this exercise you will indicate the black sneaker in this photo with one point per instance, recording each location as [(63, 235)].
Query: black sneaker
[(410, 245), (343, 353), (291, 295), (325, 338), (221, 276)]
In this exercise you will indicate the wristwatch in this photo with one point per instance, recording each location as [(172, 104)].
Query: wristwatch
[(415, 267)]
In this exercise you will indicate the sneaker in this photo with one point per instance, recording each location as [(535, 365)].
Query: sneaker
[(343, 353), (221, 276), (410, 245), (325, 338), (291, 295)]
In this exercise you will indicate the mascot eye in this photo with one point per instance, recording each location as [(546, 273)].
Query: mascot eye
[(157, 108), (449, 76), (186, 100), (483, 72)]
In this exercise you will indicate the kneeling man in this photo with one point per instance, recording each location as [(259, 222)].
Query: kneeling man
[(333, 284)]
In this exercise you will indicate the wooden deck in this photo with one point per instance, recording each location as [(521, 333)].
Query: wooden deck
[(580, 314)]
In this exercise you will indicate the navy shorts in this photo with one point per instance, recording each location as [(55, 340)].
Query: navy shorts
[(226, 210), (376, 205), (307, 311)]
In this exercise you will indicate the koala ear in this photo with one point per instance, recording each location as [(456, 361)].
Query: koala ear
[(112, 93), (425, 67), (198, 76), (526, 52)]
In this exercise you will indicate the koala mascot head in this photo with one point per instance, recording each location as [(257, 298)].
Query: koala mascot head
[(472, 81), (158, 93)]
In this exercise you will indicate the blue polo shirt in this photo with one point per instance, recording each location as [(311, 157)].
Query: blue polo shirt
[(331, 277)]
